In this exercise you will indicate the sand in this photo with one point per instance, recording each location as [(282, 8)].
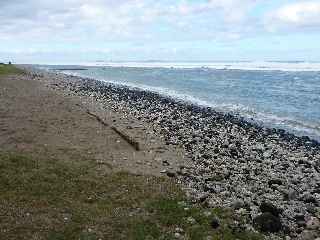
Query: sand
[(42, 121)]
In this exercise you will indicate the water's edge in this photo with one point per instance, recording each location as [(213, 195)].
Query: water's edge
[(228, 116)]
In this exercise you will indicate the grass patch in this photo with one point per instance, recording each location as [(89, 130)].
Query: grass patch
[(6, 69), (58, 200), (196, 220)]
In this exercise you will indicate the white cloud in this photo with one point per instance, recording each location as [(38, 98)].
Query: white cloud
[(304, 14), (105, 20), (234, 10), (41, 20)]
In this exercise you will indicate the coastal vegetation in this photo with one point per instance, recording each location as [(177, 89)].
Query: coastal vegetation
[(9, 69), (56, 200)]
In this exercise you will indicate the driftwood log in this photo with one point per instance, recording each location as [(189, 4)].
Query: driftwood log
[(135, 144)]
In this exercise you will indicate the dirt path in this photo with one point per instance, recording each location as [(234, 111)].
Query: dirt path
[(38, 120)]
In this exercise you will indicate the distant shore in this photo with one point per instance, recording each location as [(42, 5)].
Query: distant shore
[(235, 163)]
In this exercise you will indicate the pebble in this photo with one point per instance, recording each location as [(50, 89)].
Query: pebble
[(179, 230), (177, 235), (191, 220), (207, 213)]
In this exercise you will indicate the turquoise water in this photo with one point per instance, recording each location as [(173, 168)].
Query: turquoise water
[(283, 99)]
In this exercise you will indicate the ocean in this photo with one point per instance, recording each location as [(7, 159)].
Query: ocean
[(284, 95)]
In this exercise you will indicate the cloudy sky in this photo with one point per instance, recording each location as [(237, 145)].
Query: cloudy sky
[(129, 30)]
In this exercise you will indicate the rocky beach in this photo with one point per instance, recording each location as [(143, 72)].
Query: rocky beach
[(268, 176)]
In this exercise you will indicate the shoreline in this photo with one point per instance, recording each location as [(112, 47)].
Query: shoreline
[(67, 174), (236, 163), (300, 127), (236, 118)]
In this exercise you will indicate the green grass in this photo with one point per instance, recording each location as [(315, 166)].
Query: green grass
[(6, 69), (58, 200)]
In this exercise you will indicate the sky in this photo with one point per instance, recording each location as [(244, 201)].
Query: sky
[(74, 31)]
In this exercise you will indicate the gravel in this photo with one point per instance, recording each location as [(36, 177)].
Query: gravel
[(238, 164)]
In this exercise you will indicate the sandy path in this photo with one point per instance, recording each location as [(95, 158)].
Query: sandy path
[(41, 121)]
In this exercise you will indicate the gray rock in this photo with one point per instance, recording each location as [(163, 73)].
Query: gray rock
[(308, 235), (313, 224), (237, 204), (292, 194)]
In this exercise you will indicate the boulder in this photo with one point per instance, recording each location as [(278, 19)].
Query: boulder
[(270, 208), (267, 222)]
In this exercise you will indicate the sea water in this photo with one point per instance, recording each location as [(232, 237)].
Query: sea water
[(279, 94)]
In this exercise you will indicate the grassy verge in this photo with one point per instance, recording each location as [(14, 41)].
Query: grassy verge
[(6, 69), (55, 200)]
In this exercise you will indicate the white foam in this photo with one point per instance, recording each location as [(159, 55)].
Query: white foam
[(311, 129), (257, 65)]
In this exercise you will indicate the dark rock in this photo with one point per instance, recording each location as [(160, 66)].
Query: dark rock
[(270, 208), (215, 223), (267, 222), (203, 198), (299, 217), (171, 174), (206, 156), (165, 163), (305, 163), (301, 224), (274, 181)]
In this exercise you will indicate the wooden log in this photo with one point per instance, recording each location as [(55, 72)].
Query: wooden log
[(127, 138), (135, 144)]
